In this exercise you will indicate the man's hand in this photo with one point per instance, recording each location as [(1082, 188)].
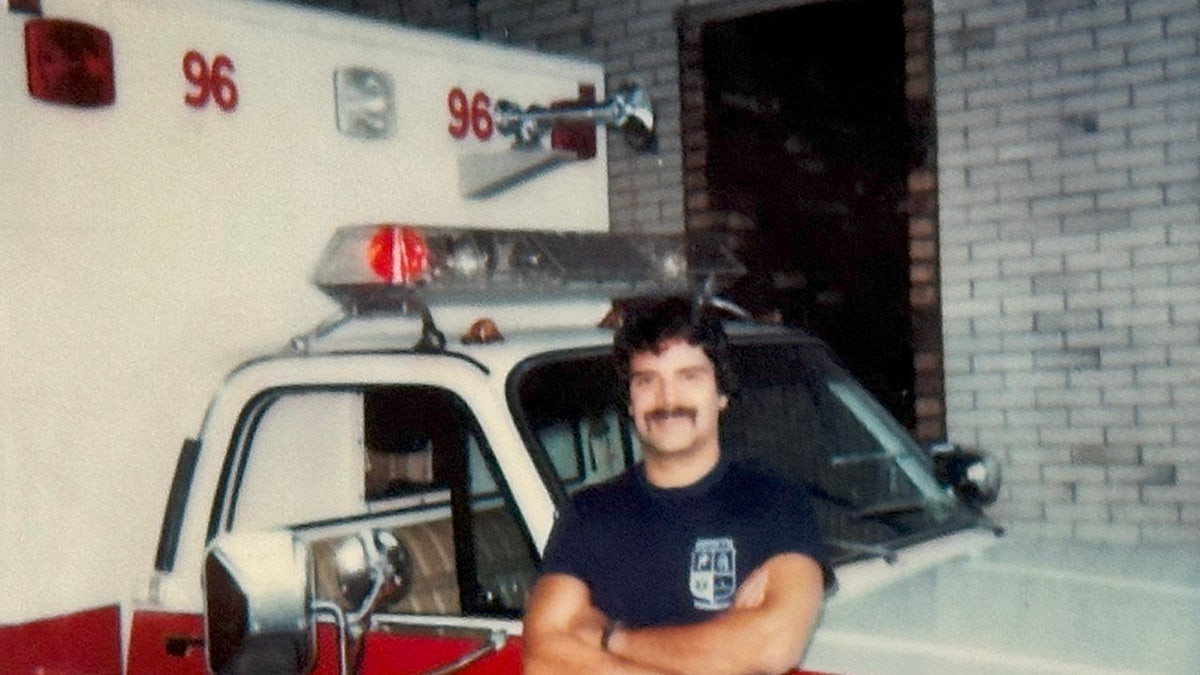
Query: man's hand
[(753, 591), (588, 626)]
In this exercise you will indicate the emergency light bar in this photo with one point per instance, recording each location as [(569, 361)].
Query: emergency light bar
[(377, 267)]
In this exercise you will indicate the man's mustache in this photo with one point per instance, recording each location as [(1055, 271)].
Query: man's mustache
[(660, 414)]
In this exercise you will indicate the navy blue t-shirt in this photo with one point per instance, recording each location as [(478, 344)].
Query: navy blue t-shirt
[(654, 556)]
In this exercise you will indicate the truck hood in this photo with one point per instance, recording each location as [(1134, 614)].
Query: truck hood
[(1022, 606)]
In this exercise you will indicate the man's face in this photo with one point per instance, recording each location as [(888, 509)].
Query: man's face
[(673, 398)]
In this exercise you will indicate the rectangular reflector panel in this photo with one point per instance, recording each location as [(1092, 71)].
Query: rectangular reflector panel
[(69, 63)]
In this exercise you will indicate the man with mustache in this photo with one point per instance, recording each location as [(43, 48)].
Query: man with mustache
[(688, 562)]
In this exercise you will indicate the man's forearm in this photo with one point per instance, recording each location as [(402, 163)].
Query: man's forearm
[(736, 643), (564, 633), (765, 631), (564, 654)]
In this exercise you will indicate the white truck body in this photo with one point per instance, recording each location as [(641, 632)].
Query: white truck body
[(149, 246)]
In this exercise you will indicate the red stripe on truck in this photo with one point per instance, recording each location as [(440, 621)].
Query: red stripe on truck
[(83, 643)]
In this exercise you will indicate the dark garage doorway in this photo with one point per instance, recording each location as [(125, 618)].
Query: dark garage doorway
[(808, 155)]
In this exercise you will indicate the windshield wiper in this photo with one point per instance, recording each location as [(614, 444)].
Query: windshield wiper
[(859, 458), (872, 550), (889, 509), (879, 510)]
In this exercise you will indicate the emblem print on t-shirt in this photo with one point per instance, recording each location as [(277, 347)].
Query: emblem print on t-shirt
[(713, 576)]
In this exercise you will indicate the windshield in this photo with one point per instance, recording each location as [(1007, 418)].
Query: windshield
[(795, 412)]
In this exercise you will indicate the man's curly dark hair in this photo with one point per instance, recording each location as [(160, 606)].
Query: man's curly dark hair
[(647, 323)]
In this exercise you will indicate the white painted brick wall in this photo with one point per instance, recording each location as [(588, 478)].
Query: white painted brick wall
[(1069, 188)]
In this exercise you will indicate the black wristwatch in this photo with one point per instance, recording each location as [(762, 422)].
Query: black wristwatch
[(610, 627)]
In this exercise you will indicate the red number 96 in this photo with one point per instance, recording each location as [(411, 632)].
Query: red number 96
[(474, 115), (209, 82)]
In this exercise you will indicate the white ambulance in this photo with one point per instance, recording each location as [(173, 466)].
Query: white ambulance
[(373, 495)]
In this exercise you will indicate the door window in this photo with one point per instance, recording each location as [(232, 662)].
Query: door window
[(329, 463), (574, 411)]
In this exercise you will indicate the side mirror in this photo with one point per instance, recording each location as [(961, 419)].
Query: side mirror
[(257, 597), (974, 475)]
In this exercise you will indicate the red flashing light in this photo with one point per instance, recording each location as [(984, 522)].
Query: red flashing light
[(398, 255), (69, 62)]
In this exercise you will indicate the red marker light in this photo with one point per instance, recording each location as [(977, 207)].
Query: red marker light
[(577, 137), (398, 255), (482, 332), (69, 62)]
